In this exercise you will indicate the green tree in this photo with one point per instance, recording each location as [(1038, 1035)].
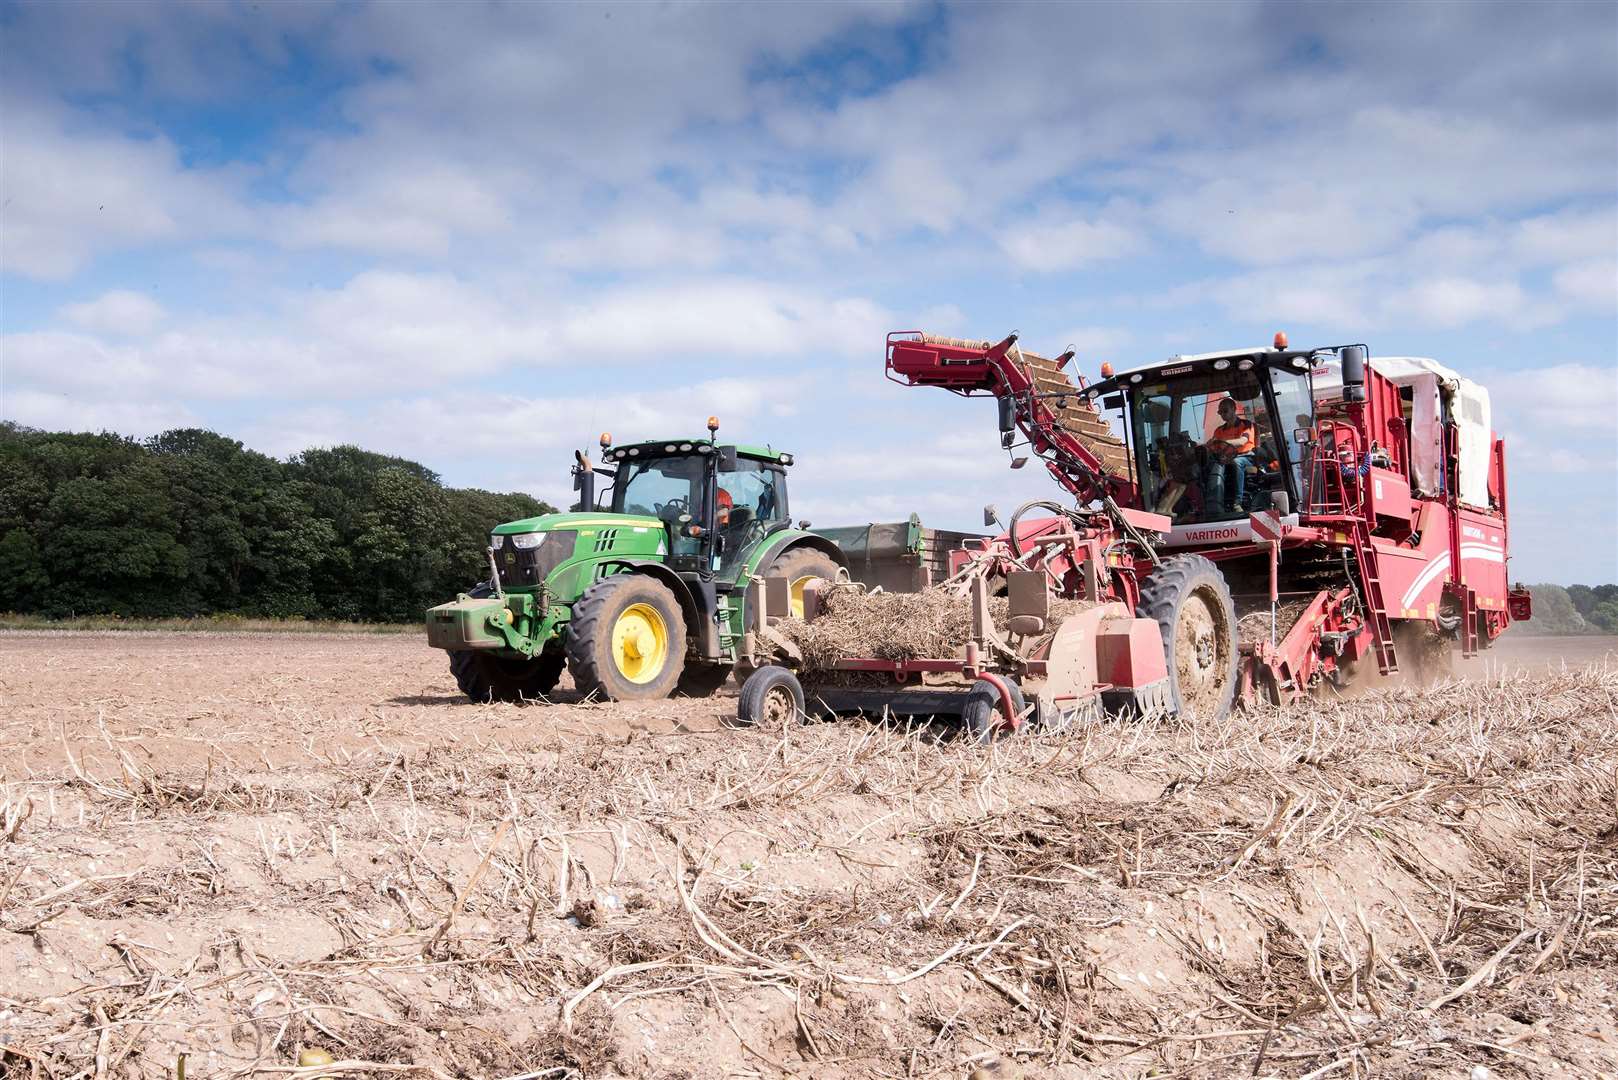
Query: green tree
[(1554, 612)]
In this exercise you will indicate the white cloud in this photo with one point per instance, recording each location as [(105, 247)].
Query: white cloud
[(70, 190), (1052, 246), (119, 313), (1559, 397), (1591, 284)]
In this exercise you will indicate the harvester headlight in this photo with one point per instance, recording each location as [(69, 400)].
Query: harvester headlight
[(634, 451), (494, 540), (685, 448), (670, 448), (1135, 378), (704, 448), (528, 541), (1300, 362), (1221, 365), (1244, 365), (786, 459)]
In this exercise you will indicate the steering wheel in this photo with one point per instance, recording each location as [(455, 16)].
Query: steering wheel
[(677, 505)]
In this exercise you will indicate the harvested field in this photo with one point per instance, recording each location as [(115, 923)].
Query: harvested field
[(232, 847)]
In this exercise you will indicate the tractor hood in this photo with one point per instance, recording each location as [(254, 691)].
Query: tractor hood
[(560, 522)]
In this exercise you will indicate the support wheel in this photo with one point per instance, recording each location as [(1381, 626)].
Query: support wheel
[(485, 677), (981, 718), (626, 641), (1188, 598), (771, 696), (701, 680)]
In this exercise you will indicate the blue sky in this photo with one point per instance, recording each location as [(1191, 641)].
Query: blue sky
[(478, 234)]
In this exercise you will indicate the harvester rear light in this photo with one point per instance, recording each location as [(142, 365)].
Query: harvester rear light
[(528, 541)]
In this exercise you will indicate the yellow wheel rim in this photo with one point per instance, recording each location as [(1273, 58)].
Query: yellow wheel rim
[(640, 643), (795, 595)]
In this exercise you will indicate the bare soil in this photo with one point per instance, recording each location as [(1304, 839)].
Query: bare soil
[(234, 847)]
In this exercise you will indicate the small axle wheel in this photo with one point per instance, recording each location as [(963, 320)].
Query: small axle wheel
[(981, 717), (771, 695)]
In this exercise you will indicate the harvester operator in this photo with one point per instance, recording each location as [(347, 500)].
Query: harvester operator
[(1230, 452)]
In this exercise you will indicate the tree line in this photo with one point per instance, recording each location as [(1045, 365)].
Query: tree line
[(1575, 609), (193, 523)]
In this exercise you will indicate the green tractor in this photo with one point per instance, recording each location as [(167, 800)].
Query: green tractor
[(644, 596)]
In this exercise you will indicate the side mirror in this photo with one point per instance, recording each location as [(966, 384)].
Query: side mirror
[(991, 518), (727, 459), (1301, 436), (1113, 401), (1008, 415), (804, 525), (1018, 462)]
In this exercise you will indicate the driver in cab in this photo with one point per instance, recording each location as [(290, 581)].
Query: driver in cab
[(1230, 452)]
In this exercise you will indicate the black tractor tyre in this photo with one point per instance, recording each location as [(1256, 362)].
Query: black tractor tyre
[(701, 680), (771, 695), (1189, 599), (484, 677), (981, 718), (652, 668)]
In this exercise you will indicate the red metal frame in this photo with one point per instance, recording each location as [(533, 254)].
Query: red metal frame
[(1351, 503)]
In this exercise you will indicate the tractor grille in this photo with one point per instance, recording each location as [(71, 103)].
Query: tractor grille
[(520, 568)]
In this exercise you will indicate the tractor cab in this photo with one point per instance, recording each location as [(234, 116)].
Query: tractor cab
[(1215, 437), (717, 503)]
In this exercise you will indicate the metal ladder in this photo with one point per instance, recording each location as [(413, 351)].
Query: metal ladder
[(1381, 628)]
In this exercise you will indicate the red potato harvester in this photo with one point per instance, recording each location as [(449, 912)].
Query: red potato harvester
[(1270, 521)]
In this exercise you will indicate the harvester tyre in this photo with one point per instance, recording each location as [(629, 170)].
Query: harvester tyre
[(484, 678), (1190, 601), (626, 640), (772, 695), (981, 718), (701, 680)]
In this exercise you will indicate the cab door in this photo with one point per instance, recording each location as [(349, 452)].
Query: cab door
[(750, 505)]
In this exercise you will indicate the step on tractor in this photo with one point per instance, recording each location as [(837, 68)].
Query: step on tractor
[(639, 597), (1264, 523)]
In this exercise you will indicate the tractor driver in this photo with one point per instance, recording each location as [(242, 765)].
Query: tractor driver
[(1230, 452)]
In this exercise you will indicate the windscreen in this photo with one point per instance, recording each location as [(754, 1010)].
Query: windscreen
[(663, 487), (1205, 445)]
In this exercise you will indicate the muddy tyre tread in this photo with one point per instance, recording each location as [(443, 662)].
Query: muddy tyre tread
[(1162, 597)]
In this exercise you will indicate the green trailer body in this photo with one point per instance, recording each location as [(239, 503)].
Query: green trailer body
[(900, 556)]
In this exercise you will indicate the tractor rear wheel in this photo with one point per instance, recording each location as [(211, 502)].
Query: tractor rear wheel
[(484, 677), (626, 640), (1190, 601), (800, 566)]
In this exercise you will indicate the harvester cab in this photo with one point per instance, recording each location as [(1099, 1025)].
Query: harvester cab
[(639, 591)]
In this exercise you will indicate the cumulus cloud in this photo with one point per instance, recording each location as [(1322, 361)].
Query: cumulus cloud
[(119, 313)]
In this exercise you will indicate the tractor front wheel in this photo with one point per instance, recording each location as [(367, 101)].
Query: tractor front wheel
[(1190, 601), (626, 640), (484, 678)]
